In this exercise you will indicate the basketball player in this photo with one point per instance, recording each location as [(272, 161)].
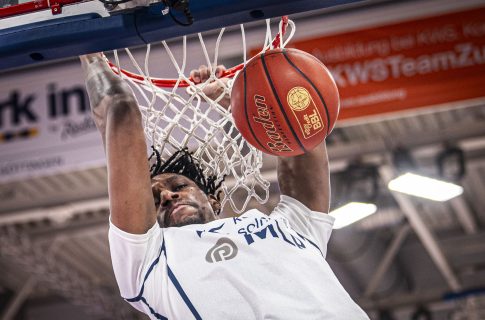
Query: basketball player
[(193, 265)]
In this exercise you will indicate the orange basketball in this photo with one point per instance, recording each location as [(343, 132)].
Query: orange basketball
[(284, 102)]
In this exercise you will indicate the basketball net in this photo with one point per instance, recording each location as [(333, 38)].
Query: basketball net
[(177, 114)]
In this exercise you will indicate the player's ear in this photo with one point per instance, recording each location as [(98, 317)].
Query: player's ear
[(215, 204)]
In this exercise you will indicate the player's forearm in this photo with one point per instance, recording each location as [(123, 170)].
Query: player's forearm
[(306, 178), (119, 121)]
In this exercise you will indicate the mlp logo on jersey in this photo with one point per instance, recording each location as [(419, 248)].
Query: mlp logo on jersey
[(224, 249)]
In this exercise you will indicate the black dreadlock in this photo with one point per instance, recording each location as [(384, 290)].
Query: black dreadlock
[(182, 162)]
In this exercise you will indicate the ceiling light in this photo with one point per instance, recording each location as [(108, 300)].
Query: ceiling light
[(425, 187), (352, 212), (451, 163)]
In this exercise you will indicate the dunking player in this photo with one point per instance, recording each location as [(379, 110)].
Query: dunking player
[(198, 266)]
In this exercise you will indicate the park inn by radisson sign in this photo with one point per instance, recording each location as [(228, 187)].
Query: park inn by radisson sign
[(45, 125)]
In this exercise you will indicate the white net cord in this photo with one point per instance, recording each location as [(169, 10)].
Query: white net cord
[(181, 115)]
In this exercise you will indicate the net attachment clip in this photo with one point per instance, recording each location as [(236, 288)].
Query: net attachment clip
[(56, 8)]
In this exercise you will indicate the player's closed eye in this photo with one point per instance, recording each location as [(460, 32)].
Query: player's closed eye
[(179, 187)]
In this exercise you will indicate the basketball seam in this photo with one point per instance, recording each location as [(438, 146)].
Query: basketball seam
[(253, 59), (266, 71), (313, 86), (247, 116)]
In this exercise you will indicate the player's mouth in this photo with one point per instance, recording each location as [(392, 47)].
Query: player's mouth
[(171, 214)]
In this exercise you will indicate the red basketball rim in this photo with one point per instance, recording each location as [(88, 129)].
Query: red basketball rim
[(170, 83)]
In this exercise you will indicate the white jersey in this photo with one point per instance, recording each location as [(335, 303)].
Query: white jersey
[(249, 267)]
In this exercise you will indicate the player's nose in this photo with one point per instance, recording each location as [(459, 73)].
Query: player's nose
[(167, 195)]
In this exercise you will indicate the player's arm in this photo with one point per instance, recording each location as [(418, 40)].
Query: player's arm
[(118, 118), (306, 178)]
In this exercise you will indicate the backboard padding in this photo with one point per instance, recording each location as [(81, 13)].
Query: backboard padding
[(74, 35)]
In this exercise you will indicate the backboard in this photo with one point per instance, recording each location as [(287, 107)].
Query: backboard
[(43, 30)]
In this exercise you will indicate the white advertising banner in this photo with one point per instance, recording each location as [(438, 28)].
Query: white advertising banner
[(45, 123)]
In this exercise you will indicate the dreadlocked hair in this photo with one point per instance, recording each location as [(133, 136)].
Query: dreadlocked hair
[(182, 162)]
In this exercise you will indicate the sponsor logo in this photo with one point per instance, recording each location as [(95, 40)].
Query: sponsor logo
[(19, 110), (298, 98), (224, 249), (277, 143), (312, 124), (305, 111)]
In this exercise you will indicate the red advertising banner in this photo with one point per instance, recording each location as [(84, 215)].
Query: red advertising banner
[(406, 65)]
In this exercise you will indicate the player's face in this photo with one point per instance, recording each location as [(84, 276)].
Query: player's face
[(181, 202)]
